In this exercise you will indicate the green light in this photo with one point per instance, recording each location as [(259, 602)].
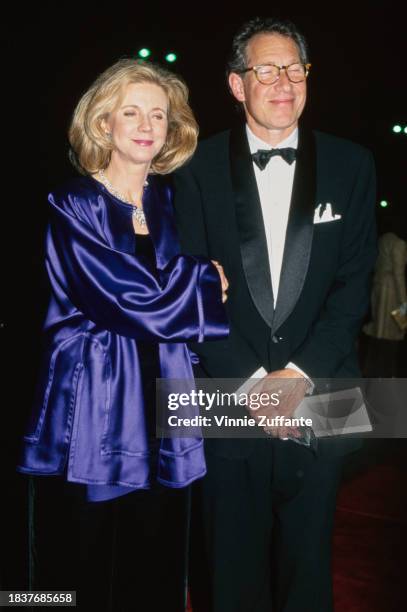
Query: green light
[(171, 57), (405, 130), (397, 129), (384, 204), (144, 53)]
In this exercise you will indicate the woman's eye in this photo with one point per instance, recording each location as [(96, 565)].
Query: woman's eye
[(158, 116), (129, 114)]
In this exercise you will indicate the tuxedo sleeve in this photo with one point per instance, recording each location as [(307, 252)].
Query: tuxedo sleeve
[(332, 337), (232, 357), (120, 292)]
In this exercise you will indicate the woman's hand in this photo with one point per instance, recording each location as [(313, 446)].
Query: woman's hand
[(223, 280)]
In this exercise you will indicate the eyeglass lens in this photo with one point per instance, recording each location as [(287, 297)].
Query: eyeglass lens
[(270, 73)]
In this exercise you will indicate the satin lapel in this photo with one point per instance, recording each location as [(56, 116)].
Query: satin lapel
[(157, 205), (253, 244), (298, 242)]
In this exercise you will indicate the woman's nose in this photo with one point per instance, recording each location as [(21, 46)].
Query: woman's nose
[(145, 124)]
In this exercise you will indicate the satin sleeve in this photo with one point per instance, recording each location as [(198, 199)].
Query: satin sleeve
[(121, 293)]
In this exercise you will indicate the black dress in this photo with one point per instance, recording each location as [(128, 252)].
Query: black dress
[(149, 359)]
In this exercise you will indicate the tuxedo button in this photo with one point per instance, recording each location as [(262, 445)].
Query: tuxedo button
[(276, 339)]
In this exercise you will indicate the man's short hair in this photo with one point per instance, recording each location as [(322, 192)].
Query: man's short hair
[(237, 60)]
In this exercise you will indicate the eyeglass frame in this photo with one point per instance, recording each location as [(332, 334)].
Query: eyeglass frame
[(280, 68)]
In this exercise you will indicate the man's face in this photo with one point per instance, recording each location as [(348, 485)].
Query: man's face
[(272, 111)]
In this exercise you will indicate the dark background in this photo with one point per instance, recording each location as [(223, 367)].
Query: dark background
[(53, 52)]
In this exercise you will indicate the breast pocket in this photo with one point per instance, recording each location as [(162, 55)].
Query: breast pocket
[(328, 226)]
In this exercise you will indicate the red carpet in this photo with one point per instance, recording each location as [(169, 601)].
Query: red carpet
[(370, 538)]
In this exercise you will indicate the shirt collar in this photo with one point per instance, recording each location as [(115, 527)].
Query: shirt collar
[(256, 143)]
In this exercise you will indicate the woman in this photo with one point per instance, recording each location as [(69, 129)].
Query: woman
[(123, 300)]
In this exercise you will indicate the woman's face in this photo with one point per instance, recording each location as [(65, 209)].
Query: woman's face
[(138, 128)]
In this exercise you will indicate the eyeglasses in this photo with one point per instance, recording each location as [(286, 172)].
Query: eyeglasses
[(267, 74)]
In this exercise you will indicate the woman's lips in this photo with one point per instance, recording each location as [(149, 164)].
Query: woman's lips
[(144, 143)]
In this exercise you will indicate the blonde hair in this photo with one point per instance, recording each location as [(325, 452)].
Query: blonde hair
[(91, 146)]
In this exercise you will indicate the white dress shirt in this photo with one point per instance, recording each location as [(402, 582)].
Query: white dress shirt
[(275, 185)]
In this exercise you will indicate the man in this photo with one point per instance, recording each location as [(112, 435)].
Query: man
[(294, 230)]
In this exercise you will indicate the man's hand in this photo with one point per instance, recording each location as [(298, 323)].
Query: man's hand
[(290, 387), (223, 280)]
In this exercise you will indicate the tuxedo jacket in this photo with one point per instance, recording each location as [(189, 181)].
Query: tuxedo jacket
[(324, 285)]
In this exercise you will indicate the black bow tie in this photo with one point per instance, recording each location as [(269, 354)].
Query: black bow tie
[(262, 157)]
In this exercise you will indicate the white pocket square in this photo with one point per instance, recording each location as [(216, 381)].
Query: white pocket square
[(327, 214)]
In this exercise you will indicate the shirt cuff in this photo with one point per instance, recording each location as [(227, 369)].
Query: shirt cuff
[(260, 373)]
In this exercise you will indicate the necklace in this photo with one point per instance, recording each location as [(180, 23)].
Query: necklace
[(138, 212)]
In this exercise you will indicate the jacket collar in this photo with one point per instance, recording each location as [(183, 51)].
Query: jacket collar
[(158, 209), (298, 242), (253, 244)]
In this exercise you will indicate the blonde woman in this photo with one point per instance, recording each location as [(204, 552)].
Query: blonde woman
[(123, 300)]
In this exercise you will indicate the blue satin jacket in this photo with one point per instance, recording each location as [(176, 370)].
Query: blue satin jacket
[(88, 416)]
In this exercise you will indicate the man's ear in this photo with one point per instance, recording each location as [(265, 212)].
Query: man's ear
[(236, 86)]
